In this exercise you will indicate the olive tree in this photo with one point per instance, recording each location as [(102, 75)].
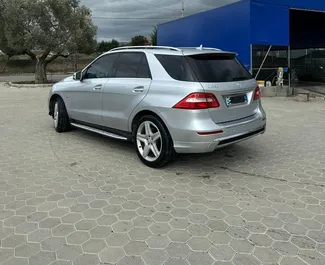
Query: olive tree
[(53, 27)]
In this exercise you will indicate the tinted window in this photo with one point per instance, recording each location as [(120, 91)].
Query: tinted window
[(177, 67), (144, 70), (218, 68), (132, 65), (102, 68), (204, 68)]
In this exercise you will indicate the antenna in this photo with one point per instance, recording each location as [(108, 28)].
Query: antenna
[(183, 9)]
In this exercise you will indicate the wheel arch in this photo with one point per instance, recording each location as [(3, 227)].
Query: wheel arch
[(53, 98), (146, 113)]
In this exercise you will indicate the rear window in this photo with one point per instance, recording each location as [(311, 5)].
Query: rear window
[(212, 68)]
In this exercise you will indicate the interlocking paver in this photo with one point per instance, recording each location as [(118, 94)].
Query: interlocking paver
[(200, 258), (69, 252), (27, 250), (158, 241), (39, 235), (13, 241), (219, 238), (100, 232), (118, 240), (94, 245), (154, 256), (135, 248), (86, 259), (91, 201), (260, 240), (53, 243), (78, 237), (266, 255), (241, 246), (42, 258), (285, 248), (178, 250), (222, 253)]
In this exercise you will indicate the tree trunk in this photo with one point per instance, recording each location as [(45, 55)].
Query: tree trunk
[(40, 71)]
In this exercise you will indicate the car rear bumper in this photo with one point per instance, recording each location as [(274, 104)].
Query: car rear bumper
[(233, 133)]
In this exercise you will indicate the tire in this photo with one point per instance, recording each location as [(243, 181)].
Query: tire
[(60, 116), (155, 147)]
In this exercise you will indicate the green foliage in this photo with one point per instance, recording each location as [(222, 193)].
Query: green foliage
[(56, 27), (105, 46), (153, 36), (139, 41)]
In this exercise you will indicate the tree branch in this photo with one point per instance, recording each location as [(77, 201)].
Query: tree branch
[(30, 54), (52, 58), (45, 54)]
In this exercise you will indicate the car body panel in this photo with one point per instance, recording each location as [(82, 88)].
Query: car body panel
[(120, 97), (237, 111), (83, 100)]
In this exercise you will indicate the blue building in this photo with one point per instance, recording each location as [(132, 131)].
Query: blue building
[(251, 25)]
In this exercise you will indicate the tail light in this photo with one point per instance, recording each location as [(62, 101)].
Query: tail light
[(257, 93), (198, 101)]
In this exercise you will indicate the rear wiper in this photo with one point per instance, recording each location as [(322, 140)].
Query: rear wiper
[(240, 78)]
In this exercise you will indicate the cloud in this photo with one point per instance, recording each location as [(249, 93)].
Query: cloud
[(123, 19)]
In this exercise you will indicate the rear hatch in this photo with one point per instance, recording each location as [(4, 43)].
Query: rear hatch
[(224, 76)]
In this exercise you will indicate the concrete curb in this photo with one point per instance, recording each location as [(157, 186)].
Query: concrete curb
[(11, 84)]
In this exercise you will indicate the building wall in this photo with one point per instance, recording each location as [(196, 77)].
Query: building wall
[(226, 28), (269, 24)]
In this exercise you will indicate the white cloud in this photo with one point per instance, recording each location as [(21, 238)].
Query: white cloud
[(120, 19)]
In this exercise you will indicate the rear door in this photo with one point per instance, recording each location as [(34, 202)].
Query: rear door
[(128, 86), (224, 76)]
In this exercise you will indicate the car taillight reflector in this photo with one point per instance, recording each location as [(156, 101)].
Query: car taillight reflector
[(198, 101), (257, 93), (210, 133)]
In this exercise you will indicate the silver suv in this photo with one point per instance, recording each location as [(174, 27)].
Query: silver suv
[(166, 100)]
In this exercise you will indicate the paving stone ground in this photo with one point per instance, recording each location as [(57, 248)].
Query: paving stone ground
[(79, 198)]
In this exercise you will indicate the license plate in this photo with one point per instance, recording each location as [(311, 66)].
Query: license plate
[(234, 100)]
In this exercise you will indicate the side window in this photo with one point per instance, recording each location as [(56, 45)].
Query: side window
[(177, 67), (144, 70), (102, 68), (132, 65)]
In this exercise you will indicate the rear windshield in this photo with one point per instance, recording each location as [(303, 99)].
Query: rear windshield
[(205, 68)]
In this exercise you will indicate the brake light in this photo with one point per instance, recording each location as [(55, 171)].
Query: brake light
[(257, 93), (198, 100)]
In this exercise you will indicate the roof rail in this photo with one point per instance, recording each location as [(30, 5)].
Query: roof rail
[(147, 47)]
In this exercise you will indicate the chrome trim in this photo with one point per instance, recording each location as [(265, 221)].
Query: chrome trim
[(240, 121), (108, 134)]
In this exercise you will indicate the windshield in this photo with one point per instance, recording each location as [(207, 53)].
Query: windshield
[(215, 68)]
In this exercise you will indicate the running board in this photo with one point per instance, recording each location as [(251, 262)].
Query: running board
[(108, 134)]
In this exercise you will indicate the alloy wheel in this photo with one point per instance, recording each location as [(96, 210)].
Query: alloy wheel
[(56, 114), (149, 141)]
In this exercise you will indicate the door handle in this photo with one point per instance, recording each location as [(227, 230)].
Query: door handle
[(98, 87), (138, 89)]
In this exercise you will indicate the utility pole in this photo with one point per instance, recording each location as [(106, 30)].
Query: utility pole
[(183, 9)]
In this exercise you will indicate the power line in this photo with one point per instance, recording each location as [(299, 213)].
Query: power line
[(160, 7)]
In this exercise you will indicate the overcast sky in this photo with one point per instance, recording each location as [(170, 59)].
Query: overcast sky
[(123, 19)]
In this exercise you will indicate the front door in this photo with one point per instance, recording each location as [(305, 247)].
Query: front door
[(86, 97), (128, 86)]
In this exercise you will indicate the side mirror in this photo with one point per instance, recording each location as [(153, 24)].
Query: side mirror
[(77, 76)]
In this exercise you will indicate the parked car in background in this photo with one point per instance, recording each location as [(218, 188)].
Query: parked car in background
[(166, 100)]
